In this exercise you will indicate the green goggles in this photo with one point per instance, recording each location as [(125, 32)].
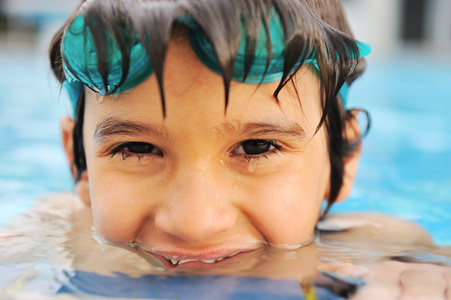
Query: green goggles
[(81, 63)]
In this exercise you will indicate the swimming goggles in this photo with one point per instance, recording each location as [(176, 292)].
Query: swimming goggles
[(80, 61)]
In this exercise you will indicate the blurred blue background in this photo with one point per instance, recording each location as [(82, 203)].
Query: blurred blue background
[(405, 169)]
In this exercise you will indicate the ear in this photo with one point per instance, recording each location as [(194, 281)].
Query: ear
[(351, 163), (82, 185), (67, 129)]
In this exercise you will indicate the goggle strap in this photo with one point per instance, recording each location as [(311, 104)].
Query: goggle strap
[(74, 90)]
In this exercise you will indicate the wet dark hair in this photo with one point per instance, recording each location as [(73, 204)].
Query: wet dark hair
[(318, 25)]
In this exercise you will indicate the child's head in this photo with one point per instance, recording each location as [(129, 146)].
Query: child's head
[(225, 128)]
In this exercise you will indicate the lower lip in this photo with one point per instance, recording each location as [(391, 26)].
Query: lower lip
[(199, 264)]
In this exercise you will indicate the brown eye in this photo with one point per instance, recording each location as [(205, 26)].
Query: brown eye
[(255, 147), (139, 148)]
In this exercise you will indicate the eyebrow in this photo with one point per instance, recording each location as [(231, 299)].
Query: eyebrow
[(285, 129), (112, 126)]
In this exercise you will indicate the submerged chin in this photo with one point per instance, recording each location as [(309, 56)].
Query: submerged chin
[(241, 252)]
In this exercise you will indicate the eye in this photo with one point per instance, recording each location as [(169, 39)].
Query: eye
[(137, 148), (255, 147), (141, 148)]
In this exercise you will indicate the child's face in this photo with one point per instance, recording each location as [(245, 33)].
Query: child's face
[(201, 183)]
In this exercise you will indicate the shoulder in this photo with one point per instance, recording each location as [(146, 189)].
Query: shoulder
[(373, 228), (53, 207)]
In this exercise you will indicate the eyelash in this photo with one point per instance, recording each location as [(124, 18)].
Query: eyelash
[(276, 148), (126, 153), (250, 158)]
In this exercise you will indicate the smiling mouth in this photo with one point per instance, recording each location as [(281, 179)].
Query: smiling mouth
[(170, 262), (176, 263)]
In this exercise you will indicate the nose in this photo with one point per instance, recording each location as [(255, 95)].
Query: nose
[(195, 210)]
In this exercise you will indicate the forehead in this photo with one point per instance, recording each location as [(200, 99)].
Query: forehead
[(193, 92)]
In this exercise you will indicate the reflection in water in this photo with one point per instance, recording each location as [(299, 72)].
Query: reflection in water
[(50, 251)]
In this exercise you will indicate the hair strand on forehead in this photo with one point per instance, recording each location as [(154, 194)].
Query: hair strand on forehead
[(220, 22), (154, 22)]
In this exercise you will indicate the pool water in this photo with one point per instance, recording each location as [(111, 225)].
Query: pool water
[(406, 163), (31, 160), (405, 172)]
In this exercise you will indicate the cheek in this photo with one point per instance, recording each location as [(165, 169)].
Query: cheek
[(120, 201), (120, 205), (285, 207)]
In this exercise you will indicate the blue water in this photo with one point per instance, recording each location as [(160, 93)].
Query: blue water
[(406, 164), (31, 160), (405, 168)]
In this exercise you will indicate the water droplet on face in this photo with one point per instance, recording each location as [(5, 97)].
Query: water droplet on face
[(297, 169), (134, 244), (99, 98), (252, 167), (202, 165)]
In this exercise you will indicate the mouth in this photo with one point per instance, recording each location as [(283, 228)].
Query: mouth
[(174, 261)]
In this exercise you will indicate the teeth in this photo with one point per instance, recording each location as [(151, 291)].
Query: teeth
[(187, 260), (231, 255), (208, 261), (175, 262)]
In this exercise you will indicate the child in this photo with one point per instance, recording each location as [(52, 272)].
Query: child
[(205, 131)]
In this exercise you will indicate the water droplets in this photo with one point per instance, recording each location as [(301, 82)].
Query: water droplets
[(171, 204), (252, 166), (222, 162), (202, 165), (297, 169), (99, 98), (134, 244)]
